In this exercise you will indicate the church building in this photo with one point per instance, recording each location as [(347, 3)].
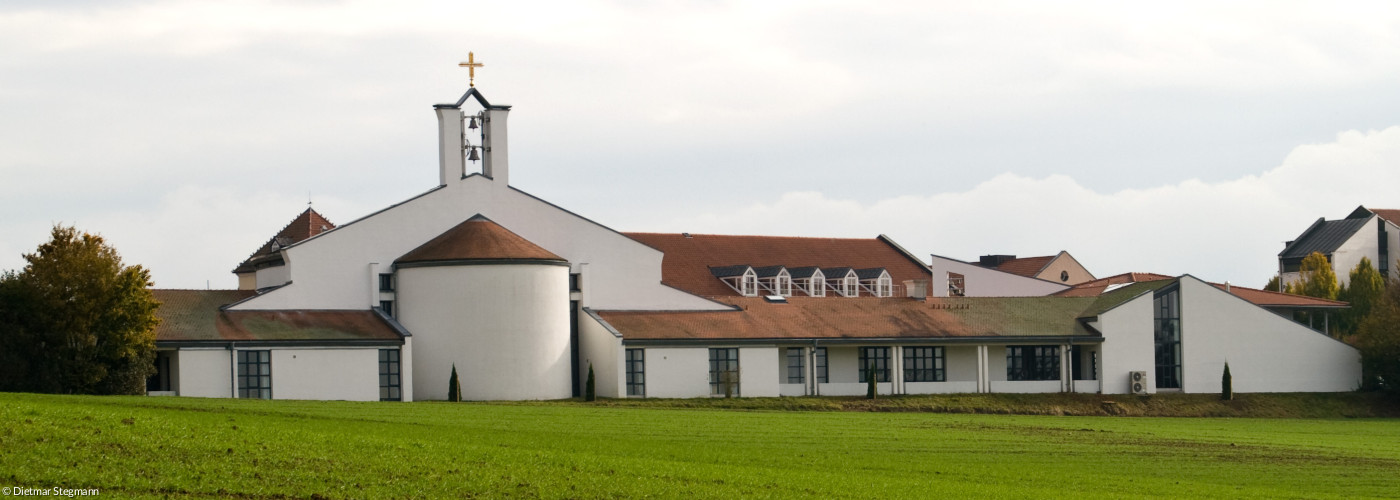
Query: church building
[(521, 297)]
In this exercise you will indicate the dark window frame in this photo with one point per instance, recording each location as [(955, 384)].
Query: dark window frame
[(1166, 336), (724, 370), (924, 364), (388, 307), (254, 384), (880, 356), (390, 375), (823, 372), (636, 372), (796, 374), (1032, 362), (386, 282)]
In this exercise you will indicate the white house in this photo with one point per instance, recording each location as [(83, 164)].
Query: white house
[(1365, 232), (520, 297)]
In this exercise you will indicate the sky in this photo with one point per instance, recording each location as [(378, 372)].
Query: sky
[(1188, 137)]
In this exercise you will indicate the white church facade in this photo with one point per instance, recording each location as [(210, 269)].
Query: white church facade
[(522, 297)]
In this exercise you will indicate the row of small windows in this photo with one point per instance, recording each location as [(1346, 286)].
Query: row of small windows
[(921, 364), (255, 375), (752, 281)]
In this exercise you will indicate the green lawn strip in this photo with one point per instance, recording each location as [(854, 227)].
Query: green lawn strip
[(268, 449)]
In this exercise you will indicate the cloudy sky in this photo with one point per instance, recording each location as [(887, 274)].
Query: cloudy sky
[(1173, 138)]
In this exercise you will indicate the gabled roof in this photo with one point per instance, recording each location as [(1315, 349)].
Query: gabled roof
[(817, 318), (1025, 266), (687, 258), (768, 271), (870, 274), (307, 224), (195, 316), (476, 239), (1263, 298), (1389, 214), (1323, 236)]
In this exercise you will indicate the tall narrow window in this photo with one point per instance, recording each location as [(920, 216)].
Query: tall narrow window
[(879, 357), (388, 307), (820, 365), (636, 373), (386, 282), (749, 284), (817, 285), (1032, 362), (796, 368), (784, 285), (575, 282), (724, 371), (923, 364), (850, 286), (1167, 336), (389, 370), (255, 374)]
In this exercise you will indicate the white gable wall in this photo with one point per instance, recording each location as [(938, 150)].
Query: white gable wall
[(1364, 243), (332, 270), (1128, 345), (983, 282), (1266, 352)]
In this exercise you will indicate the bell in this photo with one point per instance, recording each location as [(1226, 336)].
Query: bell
[(472, 156), (472, 125)]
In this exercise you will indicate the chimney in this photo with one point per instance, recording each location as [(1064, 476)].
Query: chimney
[(495, 158), (451, 162)]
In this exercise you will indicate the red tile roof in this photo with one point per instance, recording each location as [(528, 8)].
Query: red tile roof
[(1025, 266), (688, 258), (194, 315), (478, 238), (1262, 298), (307, 224), (864, 317), (1390, 214)]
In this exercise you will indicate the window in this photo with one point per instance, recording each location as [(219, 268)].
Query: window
[(389, 370), (923, 364), (388, 307), (796, 367), (386, 282), (820, 365), (1032, 362), (724, 371), (818, 285), (884, 287), (575, 282), (636, 373), (850, 286), (879, 357), (784, 285), (749, 284), (1167, 338), (255, 374)]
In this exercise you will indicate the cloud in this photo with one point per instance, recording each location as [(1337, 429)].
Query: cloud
[(1219, 231)]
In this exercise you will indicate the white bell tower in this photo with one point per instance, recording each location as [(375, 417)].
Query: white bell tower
[(466, 139)]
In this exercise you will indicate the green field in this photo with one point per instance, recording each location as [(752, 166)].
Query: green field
[(178, 447)]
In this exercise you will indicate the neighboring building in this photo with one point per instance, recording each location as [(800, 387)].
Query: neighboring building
[(955, 278), (1060, 268), (1369, 233), (522, 297)]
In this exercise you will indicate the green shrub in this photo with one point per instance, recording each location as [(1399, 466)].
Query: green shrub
[(589, 392), (1227, 391), (870, 390), (454, 386)]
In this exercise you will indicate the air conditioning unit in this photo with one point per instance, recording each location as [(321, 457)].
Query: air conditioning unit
[(1137, 382)]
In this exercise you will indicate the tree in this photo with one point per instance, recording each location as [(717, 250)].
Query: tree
[(590, 393), (870, 388), (1365, 289), (76, 320), (1315, 278), (454, 386), (1227, 390), (1378, 338), (1273, 285)]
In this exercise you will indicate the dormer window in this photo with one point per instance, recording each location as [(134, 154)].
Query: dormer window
[(750, 284), (843, 281), (774, 280), (850, 286), (784, 284), (876, 281), (742, 279)]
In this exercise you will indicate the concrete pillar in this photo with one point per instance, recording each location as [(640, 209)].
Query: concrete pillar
[(451, 162), (495, 160)]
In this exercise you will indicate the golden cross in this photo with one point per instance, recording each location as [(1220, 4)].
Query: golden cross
[(471, 66)]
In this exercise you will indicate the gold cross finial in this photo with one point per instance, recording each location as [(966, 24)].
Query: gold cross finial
[(471, 66)]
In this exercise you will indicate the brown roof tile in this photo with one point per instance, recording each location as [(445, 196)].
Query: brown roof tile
[(1263, 298), (307, 224), (1096, 287), (867, 317), (688, 258), (194, 315), (1390, 214), (1025, 266), (478, 238)]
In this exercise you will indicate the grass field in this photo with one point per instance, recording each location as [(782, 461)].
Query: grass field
[(178, 447)]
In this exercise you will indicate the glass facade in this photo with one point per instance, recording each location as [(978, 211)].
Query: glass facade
[(1166, 323)]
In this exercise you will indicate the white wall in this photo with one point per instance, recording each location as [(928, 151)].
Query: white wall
[(1128, 345), (680, 372), (1266, 352), (348, 374), (328, 271), (505, 327), (599, 346), (983, 282), (272, 276), (758, 372), (1364, 243), (204, 373)]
